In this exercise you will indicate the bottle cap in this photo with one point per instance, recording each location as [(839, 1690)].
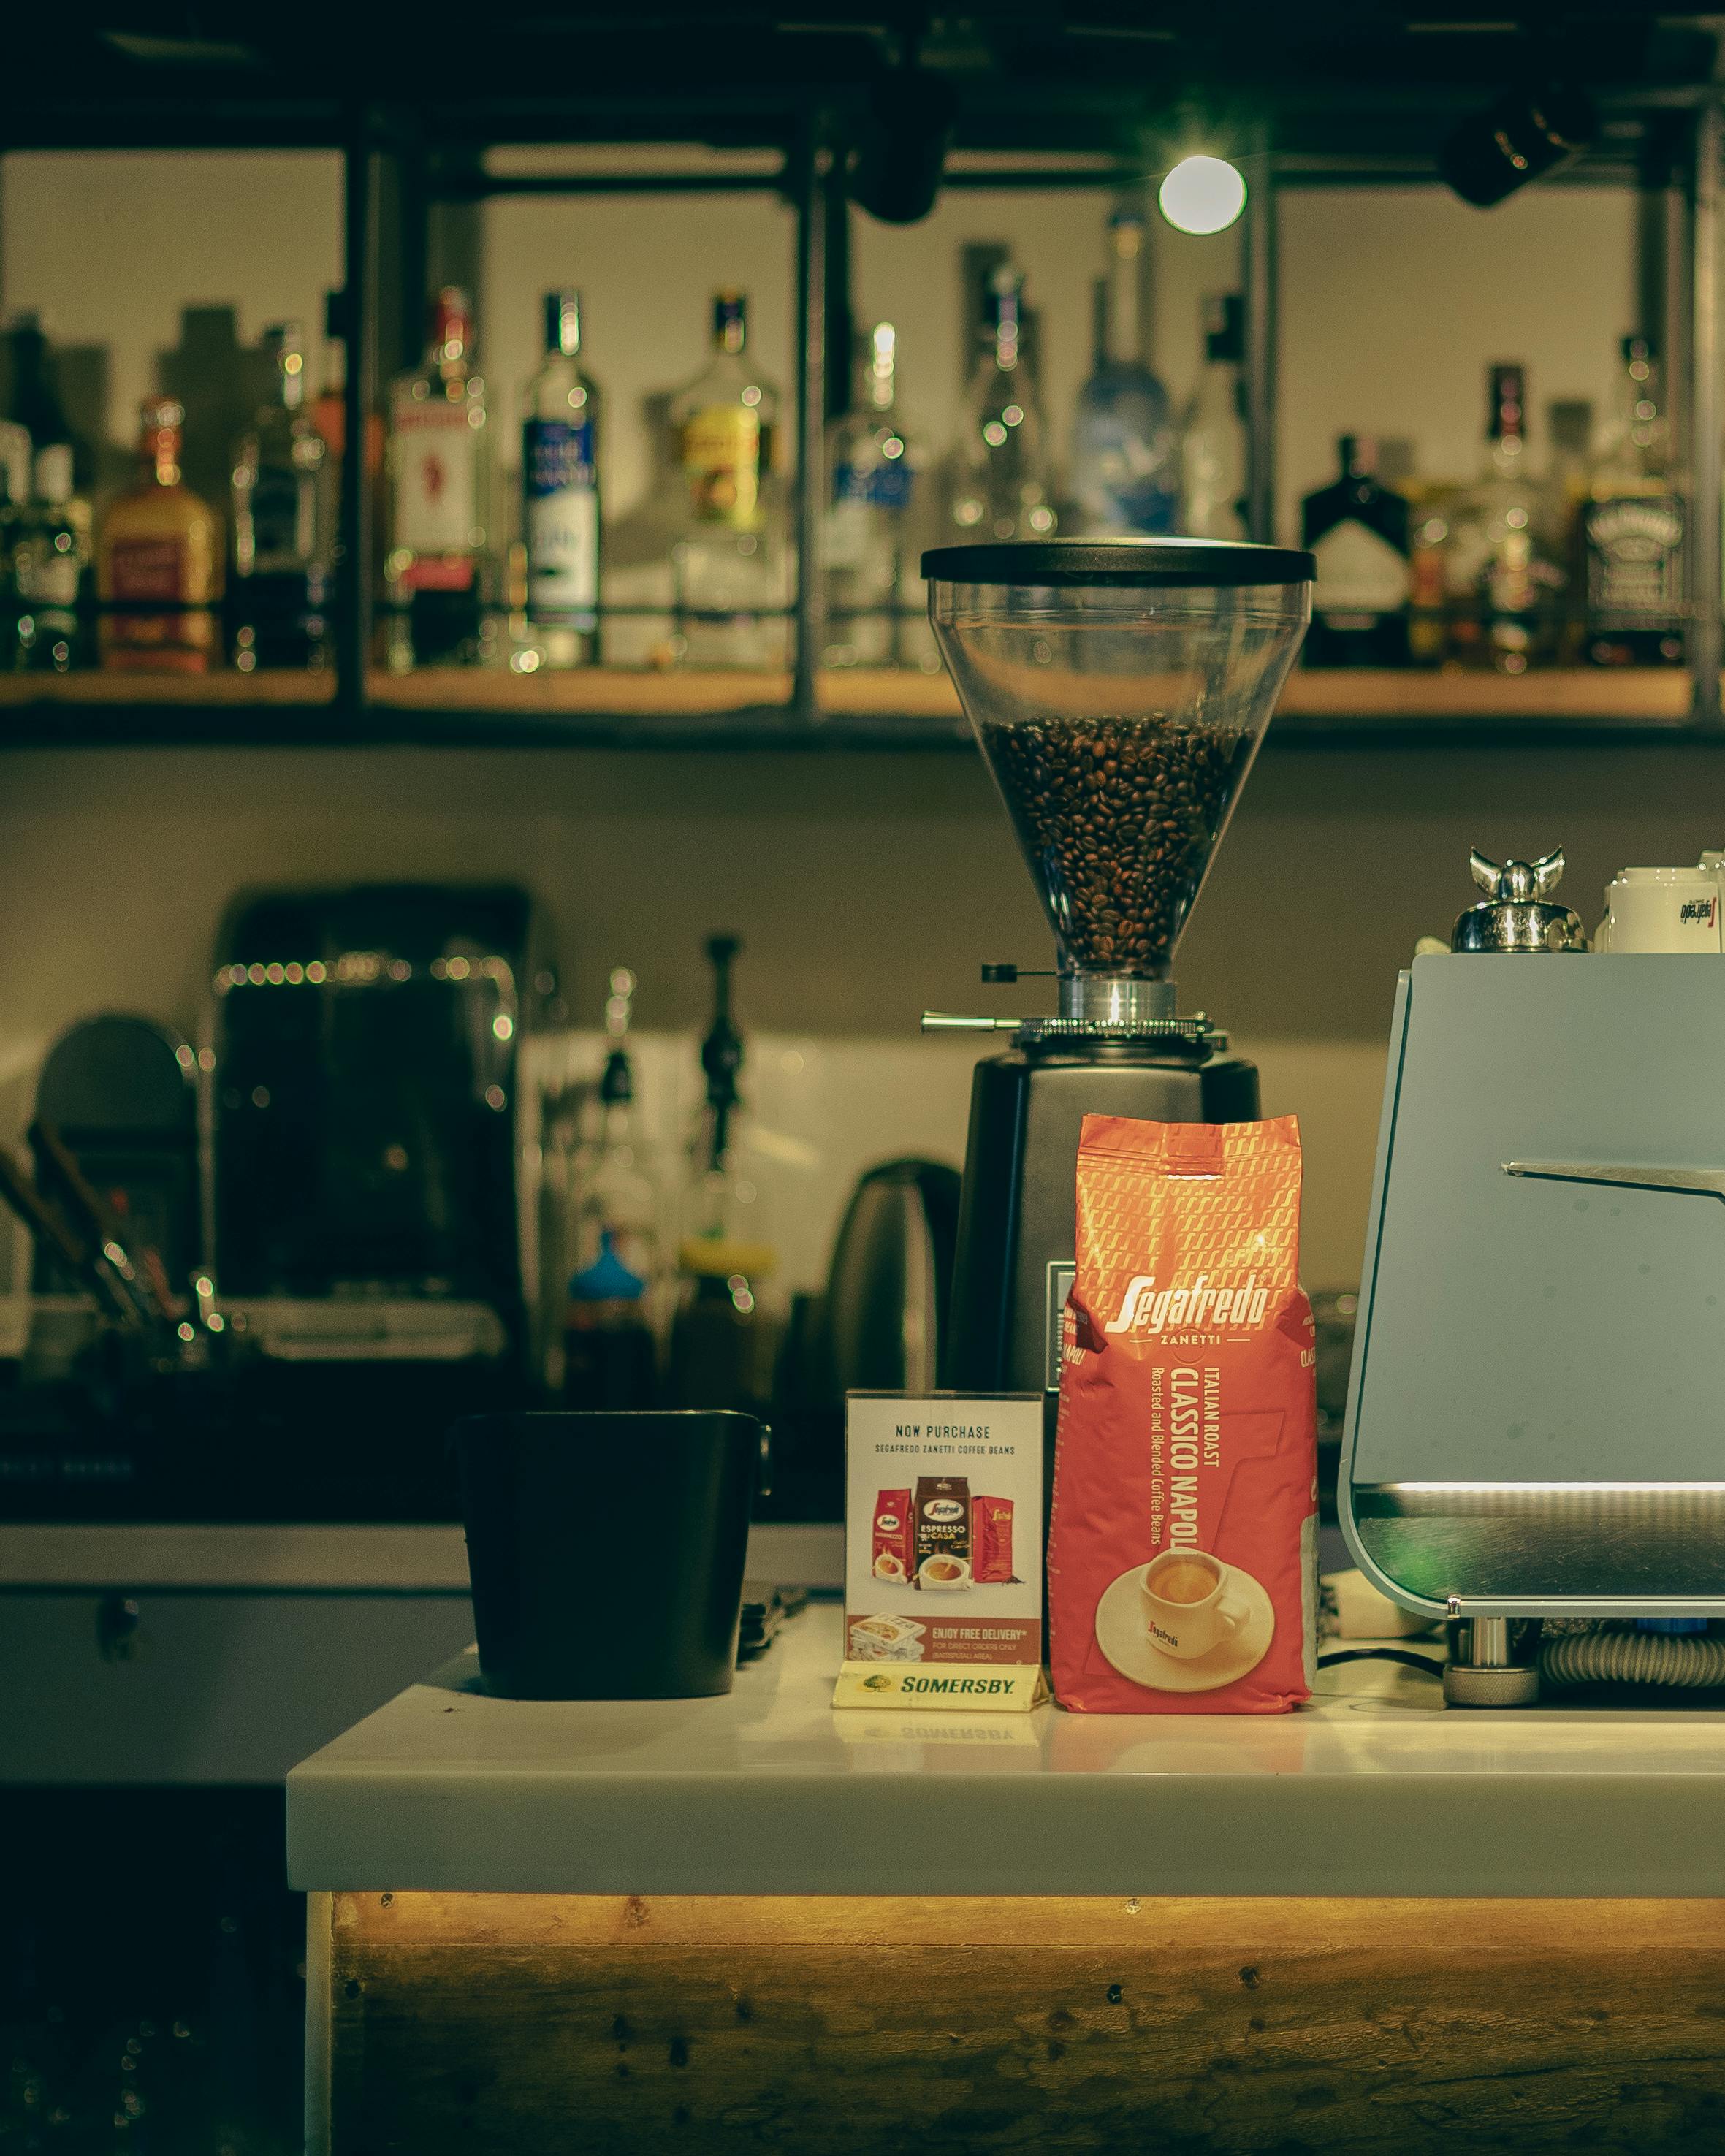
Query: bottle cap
[(730, 318), (160, 421), (1126, 234), (1006, 292), (617, 1084), (53, 474), (451, 322), (1358, 454), (562, 323), (1508, 401), (606, 1279), (1225, 327)]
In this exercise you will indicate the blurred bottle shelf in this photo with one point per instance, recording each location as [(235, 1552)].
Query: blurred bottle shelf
[(858, 708)]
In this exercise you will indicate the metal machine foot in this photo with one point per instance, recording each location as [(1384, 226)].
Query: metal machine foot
[(1484, 1675)]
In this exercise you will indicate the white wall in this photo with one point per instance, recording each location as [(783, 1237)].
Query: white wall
[(110, 245)]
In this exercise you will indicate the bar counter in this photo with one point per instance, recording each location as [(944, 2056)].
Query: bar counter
[(757, 1923), (1378, 1789)]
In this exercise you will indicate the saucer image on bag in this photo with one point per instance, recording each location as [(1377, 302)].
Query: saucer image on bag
[(1132, 1608)]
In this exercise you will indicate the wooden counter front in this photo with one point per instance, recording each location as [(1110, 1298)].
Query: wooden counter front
[(541, 2025)]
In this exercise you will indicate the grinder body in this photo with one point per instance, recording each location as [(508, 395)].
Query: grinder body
[(1017, 1211)]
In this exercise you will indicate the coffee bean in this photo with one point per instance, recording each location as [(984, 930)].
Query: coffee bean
[(1117, 818)]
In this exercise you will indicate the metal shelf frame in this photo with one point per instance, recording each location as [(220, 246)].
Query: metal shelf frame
[(394, 186)]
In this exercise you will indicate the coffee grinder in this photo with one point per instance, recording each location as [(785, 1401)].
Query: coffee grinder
[(1118, 689)]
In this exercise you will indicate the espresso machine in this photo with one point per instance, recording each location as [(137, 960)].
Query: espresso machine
[(1118, 689), (1534, 1428)]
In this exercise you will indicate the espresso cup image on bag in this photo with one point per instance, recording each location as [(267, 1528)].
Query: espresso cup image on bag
[(945, 1571), (1190, 1604)]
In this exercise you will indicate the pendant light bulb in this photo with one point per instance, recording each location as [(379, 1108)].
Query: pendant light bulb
[(1202, 195)]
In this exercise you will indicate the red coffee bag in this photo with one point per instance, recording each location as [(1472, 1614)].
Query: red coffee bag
[(1182, 1558)]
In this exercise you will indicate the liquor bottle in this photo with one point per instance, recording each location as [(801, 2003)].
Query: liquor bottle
[(33, 399), (1561, 526), (1428, 512), (12, 614), (436, 570), (49, 570), (1125, 463), (610, 1357), (329, 415), (15, 461), (729, 561), (1632, 526), (1212, 440), (869, 542), (1001, 486), (560, 491), (1357, 531), (35, 405), (282, 518), (329, 407), (159, 561), (1501, 584)]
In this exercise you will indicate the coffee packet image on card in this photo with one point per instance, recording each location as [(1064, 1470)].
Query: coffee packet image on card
[(1182, 1559), (892, 1535), (941, 1539), (991, 1541)]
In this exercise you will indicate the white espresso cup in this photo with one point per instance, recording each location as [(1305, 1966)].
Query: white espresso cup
[(1188, 1605), (1661, 909), (944, 1570)]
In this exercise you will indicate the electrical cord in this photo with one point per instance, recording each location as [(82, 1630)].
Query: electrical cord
[(1424, 1664)]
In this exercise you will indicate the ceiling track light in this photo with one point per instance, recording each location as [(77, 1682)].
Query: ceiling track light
[(902, 145), (1528, 132)]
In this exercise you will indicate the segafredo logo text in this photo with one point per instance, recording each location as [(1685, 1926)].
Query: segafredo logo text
[(1146, 1308)]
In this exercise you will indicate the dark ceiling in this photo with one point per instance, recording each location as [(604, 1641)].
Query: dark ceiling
[(1063, 74)]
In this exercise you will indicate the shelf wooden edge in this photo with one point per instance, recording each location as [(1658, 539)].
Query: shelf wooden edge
[(221, 690), (1643, 695), (860, 708), (578, 692), (896, 692)]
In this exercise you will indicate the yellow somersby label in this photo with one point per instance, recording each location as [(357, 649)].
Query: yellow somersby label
[(721, 460), (942, 1687)]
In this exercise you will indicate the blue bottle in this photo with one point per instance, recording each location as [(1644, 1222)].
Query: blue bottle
[(1126, 462)]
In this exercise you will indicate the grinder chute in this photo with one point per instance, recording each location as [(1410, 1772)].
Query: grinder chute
[(1118, 689)]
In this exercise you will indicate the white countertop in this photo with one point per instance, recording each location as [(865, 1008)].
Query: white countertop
[(1377, 1789), (338, 1559)]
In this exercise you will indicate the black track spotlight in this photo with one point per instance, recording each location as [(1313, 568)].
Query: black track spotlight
[(1527, 133), (902, 145)]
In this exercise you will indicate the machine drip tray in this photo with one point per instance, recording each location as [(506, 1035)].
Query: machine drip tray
[(1564, 1541)]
